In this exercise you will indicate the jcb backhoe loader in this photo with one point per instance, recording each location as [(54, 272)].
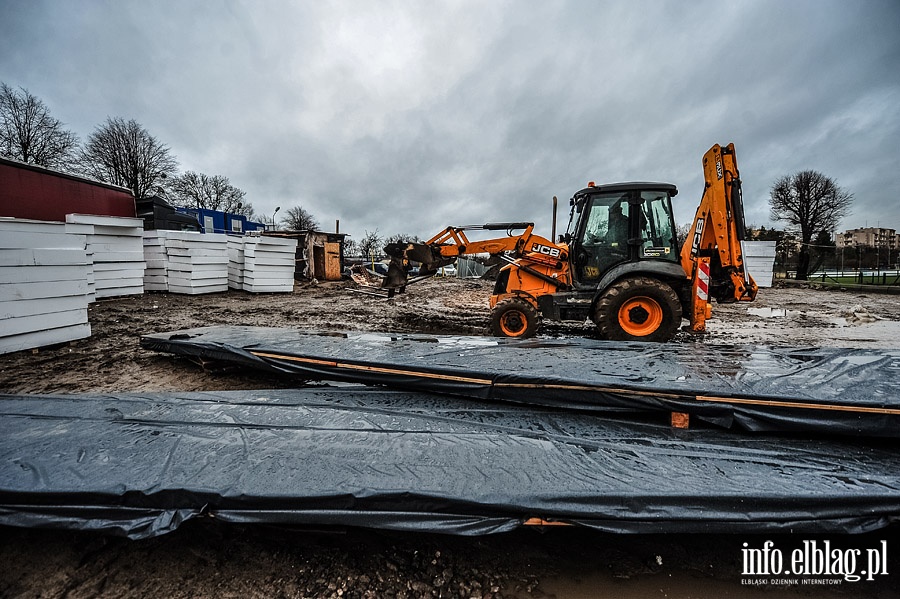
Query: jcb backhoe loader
[(618, 264)]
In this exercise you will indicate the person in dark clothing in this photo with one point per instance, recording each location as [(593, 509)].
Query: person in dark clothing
[(618, 227)]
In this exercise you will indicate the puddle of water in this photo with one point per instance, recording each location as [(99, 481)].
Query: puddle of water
[(859, 360)]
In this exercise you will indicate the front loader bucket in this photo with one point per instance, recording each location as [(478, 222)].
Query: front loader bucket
[(402, 254)]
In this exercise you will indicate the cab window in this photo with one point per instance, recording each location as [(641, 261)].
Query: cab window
[(605, 237), (658, 238)]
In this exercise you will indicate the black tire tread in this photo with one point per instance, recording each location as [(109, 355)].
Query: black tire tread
[(532, 316), (605, 314)]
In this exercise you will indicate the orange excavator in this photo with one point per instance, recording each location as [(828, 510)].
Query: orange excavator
[(618, 264)]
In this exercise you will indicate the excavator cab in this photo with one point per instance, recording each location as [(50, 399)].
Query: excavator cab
[(613, 226)]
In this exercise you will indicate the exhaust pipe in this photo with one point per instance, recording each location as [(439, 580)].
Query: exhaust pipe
[(553, 229)]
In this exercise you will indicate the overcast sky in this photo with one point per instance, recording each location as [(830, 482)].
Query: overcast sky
[(409, 116)]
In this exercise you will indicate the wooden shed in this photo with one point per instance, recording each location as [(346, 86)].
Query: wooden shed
[(319, 254)]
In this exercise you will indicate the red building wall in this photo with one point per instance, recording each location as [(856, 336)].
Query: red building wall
[(28, 191)]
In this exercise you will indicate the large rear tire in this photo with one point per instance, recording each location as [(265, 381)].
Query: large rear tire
[(638, 309), (515, 317)]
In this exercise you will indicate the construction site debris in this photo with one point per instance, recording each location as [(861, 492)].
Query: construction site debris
[(859, 314)]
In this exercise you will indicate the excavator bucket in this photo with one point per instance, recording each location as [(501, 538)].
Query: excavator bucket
[(397, 275), (403, 254)]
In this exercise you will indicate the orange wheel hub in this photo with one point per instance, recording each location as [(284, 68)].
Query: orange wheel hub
[(513, 323), (640, 316)]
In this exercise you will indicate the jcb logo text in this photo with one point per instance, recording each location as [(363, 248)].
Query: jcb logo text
[(546, 250)]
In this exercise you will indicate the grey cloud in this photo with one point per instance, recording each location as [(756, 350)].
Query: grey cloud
[(407, 118)]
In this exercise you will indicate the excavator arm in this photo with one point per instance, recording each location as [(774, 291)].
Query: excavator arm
[(712, 256), (453, 242)]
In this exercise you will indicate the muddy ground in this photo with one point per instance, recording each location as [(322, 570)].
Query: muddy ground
[(212, 560)]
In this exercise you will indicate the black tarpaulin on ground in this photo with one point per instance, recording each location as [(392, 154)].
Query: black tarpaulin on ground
[(140, 465), (821, 390)]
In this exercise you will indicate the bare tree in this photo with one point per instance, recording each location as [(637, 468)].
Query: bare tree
[(299, 219), (124, 153), (351, 247), (28, 133), (682, 232), (811, 203), (370, 245), (197, 190), (402, 238)]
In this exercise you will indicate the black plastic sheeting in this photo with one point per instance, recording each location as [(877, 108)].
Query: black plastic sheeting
[(140, 465), (820, 390)]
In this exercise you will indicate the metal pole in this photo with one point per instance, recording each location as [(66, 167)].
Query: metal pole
[(553, 229)]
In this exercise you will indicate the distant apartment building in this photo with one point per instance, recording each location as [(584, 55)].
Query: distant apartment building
[(869, 236)]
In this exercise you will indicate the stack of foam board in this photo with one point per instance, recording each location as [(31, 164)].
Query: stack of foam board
[(759, 259), (43, 285), (82, 232), (236, 262), (269, 264), (155, 276), (196, 262), (118, 251)]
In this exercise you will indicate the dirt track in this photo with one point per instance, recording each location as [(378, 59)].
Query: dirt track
[(111, 359), (209, 560)]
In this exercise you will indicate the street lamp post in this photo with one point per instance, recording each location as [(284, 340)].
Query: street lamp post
[(277, 208)]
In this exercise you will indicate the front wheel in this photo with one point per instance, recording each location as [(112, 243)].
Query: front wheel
[(514, 317), (638, 309)]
